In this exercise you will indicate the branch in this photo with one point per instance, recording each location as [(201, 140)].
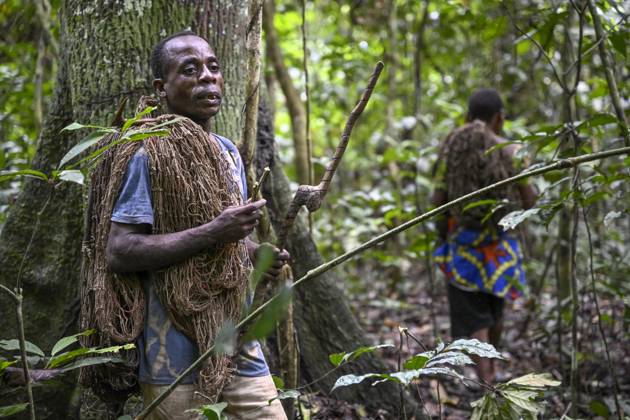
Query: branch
[(312, 196), (311, 274)]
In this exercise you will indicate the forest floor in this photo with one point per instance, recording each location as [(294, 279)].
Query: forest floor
[(530, 344)]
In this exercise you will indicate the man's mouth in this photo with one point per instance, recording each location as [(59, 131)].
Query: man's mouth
[(210, 98)]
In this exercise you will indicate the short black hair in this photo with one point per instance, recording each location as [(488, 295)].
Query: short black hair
[(158, 59), (483, 104)]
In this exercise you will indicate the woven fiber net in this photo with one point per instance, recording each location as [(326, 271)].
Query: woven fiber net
[(469, 167), (190, 186)]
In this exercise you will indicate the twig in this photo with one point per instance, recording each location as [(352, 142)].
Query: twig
[(312, 196), (327, 266), (417, 340), (402, 412), (258, 184), (611, 368), (17, 297), (574, 380)]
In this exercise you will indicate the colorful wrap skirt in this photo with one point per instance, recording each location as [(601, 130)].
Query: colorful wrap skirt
[(486, 261)]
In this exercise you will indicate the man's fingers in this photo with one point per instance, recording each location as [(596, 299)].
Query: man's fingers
[(251, 207)]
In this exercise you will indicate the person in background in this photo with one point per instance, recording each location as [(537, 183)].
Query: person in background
[(482, 262)]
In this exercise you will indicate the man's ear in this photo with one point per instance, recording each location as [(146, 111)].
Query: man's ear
[(496, 123), (158, 85)]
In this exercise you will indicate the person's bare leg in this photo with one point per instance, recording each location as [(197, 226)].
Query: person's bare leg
[(485, 367), (494, 335)]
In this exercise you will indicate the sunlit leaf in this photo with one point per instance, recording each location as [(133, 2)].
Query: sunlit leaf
[(476, 347), (610, 216), (347, 380), (515, 218), (71, 175), (212, 411), (453, 358), (278, 382), (90, 361), (66, 341), (288, 394), (8, 175), (539, 380)]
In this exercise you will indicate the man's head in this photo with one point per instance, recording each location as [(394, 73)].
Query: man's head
[(486, 105), (187, 76)]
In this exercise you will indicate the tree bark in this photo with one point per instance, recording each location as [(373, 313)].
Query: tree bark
[(104, 56), (324, 322)]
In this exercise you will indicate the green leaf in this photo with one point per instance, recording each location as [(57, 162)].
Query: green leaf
[(8, 175), (5, 364), (225, 340), (339, 358), (71, 175), (66, 357), (264, 260), (476, 347), (141, 114), (66, 341), (418, 361), (10, 410), (485, 408), (89, 361), (212, 411), (600, 408), (479, 203), (14, 345), (278, 382), (272, 314), (513, 219), (80, 147), (597, 120)]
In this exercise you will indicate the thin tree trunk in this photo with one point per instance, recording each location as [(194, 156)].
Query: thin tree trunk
[(293, 101)]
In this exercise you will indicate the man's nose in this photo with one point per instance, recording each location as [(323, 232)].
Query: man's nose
[(207, 75)]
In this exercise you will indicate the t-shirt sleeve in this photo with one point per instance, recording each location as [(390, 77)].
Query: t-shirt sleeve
[(134, 200)]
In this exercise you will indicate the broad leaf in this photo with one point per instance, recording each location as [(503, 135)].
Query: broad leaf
[(597, 120), (278, 382), (513, 219), (347, 380), (80, 147), (89, 361), (453, 358), (71, 175), (212, 411), (339, 358), (610, 216), (14, 345), (141, 114), (536, 380), (288, 394), (66, 357), (10, 410), (8, 175), (66, 341), (272, 314), (479, 203), (476, 347), (5, 364), (523, 399), (418, 361), (264, 260)]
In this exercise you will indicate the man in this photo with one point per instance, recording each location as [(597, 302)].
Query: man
[(482, 263), (188, 82)]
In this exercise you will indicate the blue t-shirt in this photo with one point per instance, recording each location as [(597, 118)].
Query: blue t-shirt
[(164, 351)]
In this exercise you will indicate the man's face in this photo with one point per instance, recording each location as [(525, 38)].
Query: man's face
[(193, 83)]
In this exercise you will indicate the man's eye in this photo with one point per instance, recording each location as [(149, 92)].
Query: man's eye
[(214, 67), (189, 70)]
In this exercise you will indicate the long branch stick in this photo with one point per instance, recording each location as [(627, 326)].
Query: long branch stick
[(317, 271), (312, 196)]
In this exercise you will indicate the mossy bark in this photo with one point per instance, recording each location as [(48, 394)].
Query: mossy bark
[(105, 48)]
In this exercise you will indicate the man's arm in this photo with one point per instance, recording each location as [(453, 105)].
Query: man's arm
[(132, 248)]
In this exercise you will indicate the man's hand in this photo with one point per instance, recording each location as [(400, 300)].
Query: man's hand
[(280, 258), (235, 223)]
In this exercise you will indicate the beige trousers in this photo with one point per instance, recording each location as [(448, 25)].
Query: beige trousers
[(247, 398)]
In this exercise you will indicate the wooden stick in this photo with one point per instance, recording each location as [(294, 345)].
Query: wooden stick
[(312, 196), (258, 184)]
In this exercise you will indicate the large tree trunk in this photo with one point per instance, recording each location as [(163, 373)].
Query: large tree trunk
[(323, 320), (104, 56)]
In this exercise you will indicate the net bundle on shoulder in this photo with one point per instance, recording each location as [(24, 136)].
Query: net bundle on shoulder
[(189, 187), (472, 165)]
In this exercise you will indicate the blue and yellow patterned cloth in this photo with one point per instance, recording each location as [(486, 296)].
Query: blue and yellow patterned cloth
[(489, 261)]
